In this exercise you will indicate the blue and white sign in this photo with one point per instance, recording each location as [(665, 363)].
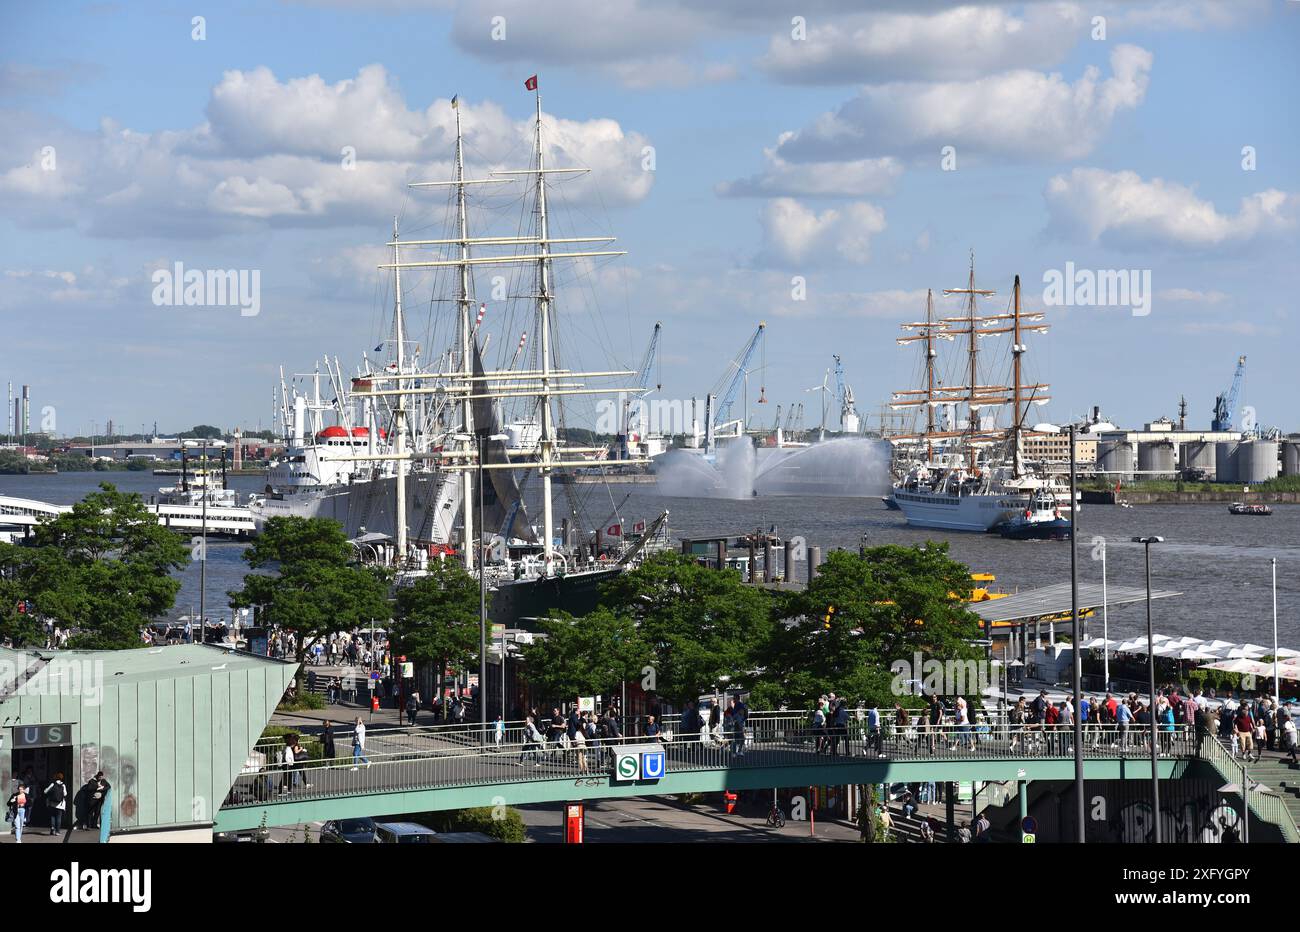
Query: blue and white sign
[(639, 762), (652, 765)]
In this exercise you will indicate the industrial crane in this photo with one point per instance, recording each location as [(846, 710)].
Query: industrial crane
[(849, 421), (736, 375), (1225, 405), (648, 362)]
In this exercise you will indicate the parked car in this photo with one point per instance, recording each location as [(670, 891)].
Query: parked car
[(403, 833), (349, 831)]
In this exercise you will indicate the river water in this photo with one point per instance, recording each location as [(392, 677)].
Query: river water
[(1218, 561)]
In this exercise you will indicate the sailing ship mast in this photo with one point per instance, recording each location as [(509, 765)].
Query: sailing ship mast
[(973, 351), (540, 383), (399, 412)]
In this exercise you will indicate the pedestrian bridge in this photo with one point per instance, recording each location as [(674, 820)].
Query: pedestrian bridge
[(431, 769)]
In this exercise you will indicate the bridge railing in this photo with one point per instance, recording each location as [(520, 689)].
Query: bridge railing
[(1266, 805), (768, 742)]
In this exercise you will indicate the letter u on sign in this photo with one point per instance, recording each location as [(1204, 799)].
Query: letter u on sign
[(652, 765)]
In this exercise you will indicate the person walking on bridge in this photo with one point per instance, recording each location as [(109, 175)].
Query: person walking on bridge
[(359, 743)]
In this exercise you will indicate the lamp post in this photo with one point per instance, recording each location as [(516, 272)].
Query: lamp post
[(1105, 622), (203, 546), (1277, 683), (483, 438), (1075, 640), (1151, 702)]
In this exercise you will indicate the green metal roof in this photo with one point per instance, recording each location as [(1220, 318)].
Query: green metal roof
[(140, 665)]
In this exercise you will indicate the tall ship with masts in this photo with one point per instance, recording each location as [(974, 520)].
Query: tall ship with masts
[(467, 450), (972, 476)]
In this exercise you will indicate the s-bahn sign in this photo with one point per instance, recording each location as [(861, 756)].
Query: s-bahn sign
[(638, 763)]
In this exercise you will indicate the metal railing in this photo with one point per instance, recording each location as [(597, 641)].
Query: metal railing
[(774, 740), (1266, 806)]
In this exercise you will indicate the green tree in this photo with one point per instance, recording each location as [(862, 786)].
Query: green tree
[(587, 656), (315, 590), (437, 619), (704, 626), (102, 569), (862, 613)]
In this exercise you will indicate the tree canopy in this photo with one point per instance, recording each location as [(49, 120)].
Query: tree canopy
[(704, 627), (102, 569), (315, 590), (437, 617), (888, 603), (588, 656)]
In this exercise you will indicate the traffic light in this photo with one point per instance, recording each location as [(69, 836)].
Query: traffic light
[(826, 622)]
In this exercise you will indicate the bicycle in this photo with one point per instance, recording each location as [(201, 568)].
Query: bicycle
[(775, 817)]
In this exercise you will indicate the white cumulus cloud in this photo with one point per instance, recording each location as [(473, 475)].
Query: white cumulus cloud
[(1121, 208), (794, 233)]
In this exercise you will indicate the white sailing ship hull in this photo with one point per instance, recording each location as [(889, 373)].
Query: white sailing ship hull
[(959, 512), (368, 506)]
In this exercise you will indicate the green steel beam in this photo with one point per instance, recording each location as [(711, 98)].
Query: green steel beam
[(599, 786)]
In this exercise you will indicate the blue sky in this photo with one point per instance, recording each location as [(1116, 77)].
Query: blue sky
[(775, 157)]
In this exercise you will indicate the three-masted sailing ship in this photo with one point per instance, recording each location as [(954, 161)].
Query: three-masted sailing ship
[(972, 476), (446, 460)]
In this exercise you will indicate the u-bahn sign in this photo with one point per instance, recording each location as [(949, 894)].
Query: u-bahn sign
[(638, 763)]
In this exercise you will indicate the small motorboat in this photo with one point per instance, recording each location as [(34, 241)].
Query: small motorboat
[(890, 503), (1040, 521), (1243, 508)]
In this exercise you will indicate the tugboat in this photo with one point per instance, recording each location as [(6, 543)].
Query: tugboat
[(1241, 508), (1040, 521)]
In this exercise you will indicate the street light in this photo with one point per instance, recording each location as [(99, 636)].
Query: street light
[(1277, 683), (1254, 787), (1151, 670), (203, 549), (1105, 622), (483, 438)]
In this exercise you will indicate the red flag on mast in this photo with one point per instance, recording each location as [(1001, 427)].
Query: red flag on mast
[(531, 83)]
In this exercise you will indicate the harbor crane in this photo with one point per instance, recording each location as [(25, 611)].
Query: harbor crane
[(737, 375), (849, 420), (1225, 405), (641, 428)]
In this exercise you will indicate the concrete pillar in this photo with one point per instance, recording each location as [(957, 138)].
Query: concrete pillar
[(767, 561), (814, 561), (721, 546), (753, 562), (950, 815), (787, 571), (1023, 788)]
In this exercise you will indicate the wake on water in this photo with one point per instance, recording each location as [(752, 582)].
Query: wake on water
[(844, 466)]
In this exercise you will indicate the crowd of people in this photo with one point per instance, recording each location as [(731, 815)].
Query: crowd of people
[(53, 804)]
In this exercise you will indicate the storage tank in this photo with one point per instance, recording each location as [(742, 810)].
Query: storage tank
[(1156, 460), (1291, 458), (1115, 459), (1198, 457), (1225, 461), (1257, 461)]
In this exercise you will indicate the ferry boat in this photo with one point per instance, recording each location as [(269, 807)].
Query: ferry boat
[(1242, 508)]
